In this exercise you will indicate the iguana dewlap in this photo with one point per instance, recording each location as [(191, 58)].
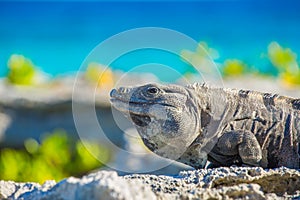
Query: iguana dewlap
[(196, 123)]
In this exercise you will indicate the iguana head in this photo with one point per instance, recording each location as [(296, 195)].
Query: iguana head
[(166, 116)]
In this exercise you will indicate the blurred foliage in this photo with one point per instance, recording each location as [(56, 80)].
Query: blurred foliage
[(203, 51), (56, 157), (21, 70), (290, 79), (285, 61), (234, 67), (281, 62), (100, 74), (200, 59)]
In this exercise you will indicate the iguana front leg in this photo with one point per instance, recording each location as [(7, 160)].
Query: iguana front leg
[(236, 148)]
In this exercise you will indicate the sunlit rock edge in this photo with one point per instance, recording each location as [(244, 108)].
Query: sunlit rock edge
[(218, 183)]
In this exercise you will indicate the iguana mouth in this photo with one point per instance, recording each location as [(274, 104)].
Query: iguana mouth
[(150, 103), (139, 103), (140, 120)]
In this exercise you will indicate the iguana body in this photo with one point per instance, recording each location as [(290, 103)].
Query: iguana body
[(197, 123)]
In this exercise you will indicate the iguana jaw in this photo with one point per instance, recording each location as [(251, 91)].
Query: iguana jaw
[(122, 100)]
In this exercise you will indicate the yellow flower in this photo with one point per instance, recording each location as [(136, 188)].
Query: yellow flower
[(100, 74), (290, 79), (233, 67)]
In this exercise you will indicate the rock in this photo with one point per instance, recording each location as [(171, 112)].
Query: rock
[(227, 183), (100, 185), (30, 112), (12, 190), (218, 183)]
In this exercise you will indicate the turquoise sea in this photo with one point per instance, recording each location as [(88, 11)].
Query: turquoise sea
[(58, 35)]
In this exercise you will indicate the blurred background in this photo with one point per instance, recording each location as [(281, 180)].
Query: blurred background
[(44, 43)]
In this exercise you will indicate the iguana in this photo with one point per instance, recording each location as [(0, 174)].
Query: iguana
[(195, 123)]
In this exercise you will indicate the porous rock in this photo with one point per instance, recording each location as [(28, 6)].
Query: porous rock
[(227, 183), (218, 183), (101, 185)]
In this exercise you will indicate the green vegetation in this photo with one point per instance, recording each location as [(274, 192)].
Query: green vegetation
[(102, 75), (234, 67), (21, 70), (204, 54), (285, 62), (202, 51), (56, 157), (282, 63), (283, 59), (200, 59)]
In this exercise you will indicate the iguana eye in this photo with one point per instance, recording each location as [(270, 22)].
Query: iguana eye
[(152, 90)]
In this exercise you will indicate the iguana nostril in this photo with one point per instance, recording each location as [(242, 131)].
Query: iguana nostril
[(113, 92)]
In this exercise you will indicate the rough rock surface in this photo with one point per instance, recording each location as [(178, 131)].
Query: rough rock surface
[(101, 185), (218, 183)]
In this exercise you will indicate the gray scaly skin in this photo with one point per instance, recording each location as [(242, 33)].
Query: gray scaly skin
[(196, 123)]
